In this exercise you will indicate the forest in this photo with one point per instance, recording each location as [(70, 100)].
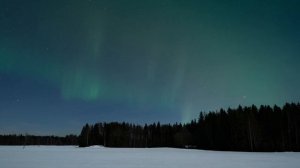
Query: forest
[(251, 128), (242, 129), (38, 140)]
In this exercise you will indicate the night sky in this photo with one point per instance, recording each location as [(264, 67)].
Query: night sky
[(67, 62)]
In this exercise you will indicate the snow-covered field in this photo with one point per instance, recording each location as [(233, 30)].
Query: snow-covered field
[(74, 157)]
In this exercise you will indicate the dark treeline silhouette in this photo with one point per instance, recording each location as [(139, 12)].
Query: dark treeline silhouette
[(242, 129), (38, 140)]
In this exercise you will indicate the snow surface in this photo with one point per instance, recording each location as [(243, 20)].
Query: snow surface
[(91, 157)]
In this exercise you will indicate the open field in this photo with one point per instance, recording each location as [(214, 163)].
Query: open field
[(91, 157)]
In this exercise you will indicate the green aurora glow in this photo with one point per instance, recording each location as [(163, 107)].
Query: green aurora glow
[(184, 55)]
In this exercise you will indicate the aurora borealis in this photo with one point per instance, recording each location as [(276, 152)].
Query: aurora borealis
[(68, 62)]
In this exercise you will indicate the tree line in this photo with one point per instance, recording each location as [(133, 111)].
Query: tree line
[(241, 129), (38, 140), (251, 128)]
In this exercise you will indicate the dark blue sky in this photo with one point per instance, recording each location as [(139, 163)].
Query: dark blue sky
[(65, 63)]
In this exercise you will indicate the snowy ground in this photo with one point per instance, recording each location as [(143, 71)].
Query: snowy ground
[(74, 157)]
